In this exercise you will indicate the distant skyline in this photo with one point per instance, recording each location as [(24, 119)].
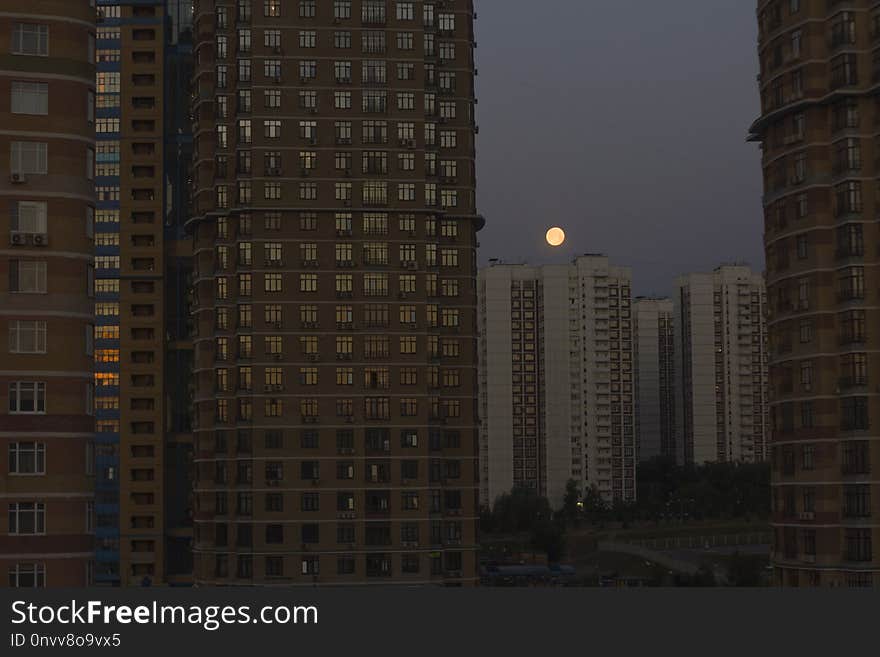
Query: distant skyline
[(625, 125)]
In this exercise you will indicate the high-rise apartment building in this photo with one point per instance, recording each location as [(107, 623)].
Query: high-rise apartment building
[(142, 354), (514, 448), (46, 292), (557, 379), (721, 366), (655, 375), (819, 69), (335, 232)]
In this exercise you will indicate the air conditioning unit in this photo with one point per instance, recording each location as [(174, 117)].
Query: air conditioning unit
[(16, 238), (274, 171), (806, 515), (313, 358), (16, 177), (40, 239)]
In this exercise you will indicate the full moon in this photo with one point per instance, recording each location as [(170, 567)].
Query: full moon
[(555, 236)]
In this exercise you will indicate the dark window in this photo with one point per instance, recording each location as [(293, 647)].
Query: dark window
[(345, 533), (856, 457), (309, 439), (274, 567), (310, 470), (409, 469), (310, 533), (274, 439), (274, 533), (274, 502), (857, 501), (310, 501), (854, 413), (858, 545)]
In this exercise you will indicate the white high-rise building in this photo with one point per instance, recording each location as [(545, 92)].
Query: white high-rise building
[(557, 379), (721, 366), (654, 356)]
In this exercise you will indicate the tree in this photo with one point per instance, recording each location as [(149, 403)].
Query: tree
[(522, 510), (746, 570), (570, 508), (595, 506), (712, 490), (519, 510), (549, 536), (704, 577), (487, 521)]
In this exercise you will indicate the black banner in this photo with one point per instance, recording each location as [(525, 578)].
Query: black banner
[(421, 620)]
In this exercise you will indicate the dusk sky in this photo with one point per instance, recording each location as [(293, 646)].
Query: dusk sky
[(624, 123)]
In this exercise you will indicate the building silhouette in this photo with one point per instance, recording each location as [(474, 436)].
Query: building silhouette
[(817, 128), (721, 367), (557, 379), (654, 358), (142, 353), (334, 227), (47, 289)]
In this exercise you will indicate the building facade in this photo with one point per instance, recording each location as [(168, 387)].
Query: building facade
[(721, 367), (335, 262), (557, 379), (655, 375), (142, 356), (819, 69), (47, 81)]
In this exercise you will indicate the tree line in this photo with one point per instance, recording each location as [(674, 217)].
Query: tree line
[(666, 493)]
